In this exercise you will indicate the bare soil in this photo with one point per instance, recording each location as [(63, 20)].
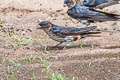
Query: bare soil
[(97, 59)]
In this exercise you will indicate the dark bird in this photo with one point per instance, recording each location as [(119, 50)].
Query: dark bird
[(92, 3), (100, 3), (81, 13), (66, 34), (71, 3)]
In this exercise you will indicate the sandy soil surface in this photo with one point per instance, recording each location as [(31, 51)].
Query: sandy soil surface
[(97, 59)]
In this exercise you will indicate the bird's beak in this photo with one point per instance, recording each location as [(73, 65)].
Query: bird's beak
[(67, 5), (64, 5), (39, 27)]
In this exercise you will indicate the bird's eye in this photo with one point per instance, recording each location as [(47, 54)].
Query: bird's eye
[(85, 1)]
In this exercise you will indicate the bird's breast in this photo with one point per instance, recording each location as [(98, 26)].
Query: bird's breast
[(54, 36)]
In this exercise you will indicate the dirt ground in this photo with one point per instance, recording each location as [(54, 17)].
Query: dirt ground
[(21, 44)]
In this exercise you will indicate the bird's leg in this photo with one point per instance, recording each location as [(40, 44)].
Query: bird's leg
[(58, 44), (72, 20), (45, 49), (67, 44), (84, 23)]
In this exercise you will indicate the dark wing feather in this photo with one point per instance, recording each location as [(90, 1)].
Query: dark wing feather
[(94, 3), (83, 12), (71, 30), (100, 3), (110, 14)]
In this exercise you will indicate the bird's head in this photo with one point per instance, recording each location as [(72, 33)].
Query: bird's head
[(45, 25), (86, 2), (89, 3), (70, 3), (67, 1)]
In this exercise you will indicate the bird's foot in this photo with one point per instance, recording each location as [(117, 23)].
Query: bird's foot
[(84, 23), (67, 44)]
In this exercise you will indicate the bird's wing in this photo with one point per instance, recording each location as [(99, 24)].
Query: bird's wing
[(104, 16), (108, 3), (72, 30), (110, 14), (80, 11), (94, 3)]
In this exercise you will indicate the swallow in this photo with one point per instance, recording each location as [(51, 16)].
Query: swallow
[(65, 34), (100, 3), (92, 3), (81, 13), (71, 3)]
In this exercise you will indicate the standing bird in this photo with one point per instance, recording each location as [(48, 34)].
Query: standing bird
[(71, 3), (81, 12), (65, 34), (92, 3)]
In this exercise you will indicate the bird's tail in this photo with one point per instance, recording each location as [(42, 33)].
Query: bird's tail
[(118, 18), (107, 13), (87, 29), (91, 34)]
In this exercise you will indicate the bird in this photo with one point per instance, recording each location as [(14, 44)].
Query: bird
[(89, 15), (66, 34), (100, 3), (71, 3)]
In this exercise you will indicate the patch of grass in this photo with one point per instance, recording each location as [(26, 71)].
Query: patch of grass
[(2, 21), (31, 58), (9, 71), (105, 78), (24, 41), (34, 77), (15, 45), (81, 45), (53, 76), (3, 61), (8, 45), (15, 63), (14, 38), (73, 78), (10, 78), (10, 74), (3, 33)]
